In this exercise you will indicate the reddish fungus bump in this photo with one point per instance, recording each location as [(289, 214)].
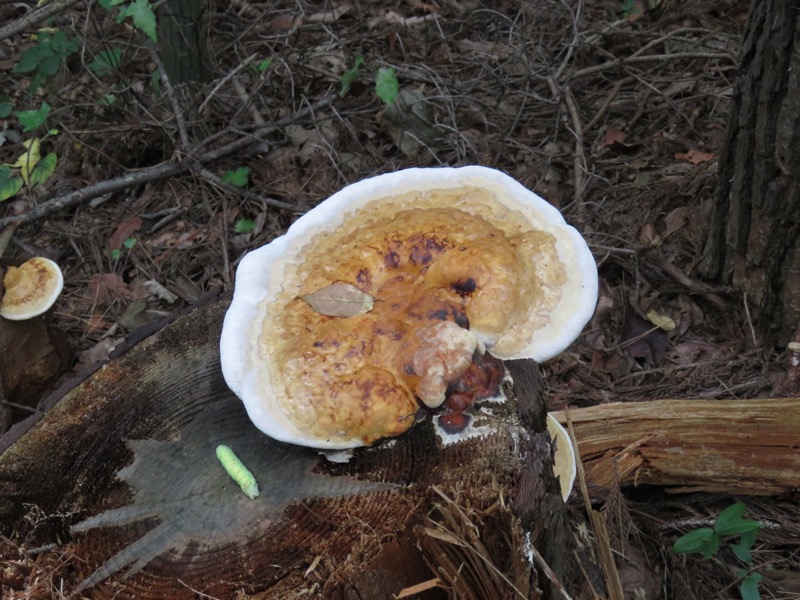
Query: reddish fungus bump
[(455, 422)]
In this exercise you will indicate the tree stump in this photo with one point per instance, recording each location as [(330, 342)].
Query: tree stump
[(119, 480)]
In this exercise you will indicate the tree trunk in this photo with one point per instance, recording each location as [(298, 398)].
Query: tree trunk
[(182, 37), (754, 238)]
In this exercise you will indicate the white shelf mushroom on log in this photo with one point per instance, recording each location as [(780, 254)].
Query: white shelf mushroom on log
[(31, 289), (399, 296)]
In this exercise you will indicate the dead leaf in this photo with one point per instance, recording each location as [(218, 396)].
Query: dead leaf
[(137, 314), (159, 291), (642, 340), (636, 12), (677, 218), (661, 321), (614, 364), (107, 287), (695, 157), (409, 123), (97, 353), (339, 300), (123, 231), (613, 136)]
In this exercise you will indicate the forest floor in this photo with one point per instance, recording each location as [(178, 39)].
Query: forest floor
[(614, 111)]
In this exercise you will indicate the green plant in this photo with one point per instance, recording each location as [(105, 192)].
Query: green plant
[(45, 58), (127, 244), (349, 76), (239, 177), (386, 85), (31, 169), (244, 226), (261, 65), (140, 12), (105, 62), (728, 525)]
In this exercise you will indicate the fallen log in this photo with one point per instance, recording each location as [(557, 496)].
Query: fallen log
[(718, 446)]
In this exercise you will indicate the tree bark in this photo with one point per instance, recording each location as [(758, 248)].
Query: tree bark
[(754, 237), (182, 35)]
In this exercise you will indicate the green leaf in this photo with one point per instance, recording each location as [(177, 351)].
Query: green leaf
[(742, 552), (244, 226), (713, 545), (238, 177), (694, 541), (143, 17), (27, 161), (108, 100), (5, 109), (261, 66), (129, 243), (733, 513), (43, 169), (748, 538), (9, 184), (116, 253), (32, 119), (49, 66), (749, 587), (105, 62), (386, 85), (738, 527), (59, 44), (29, 60), (349, 76)]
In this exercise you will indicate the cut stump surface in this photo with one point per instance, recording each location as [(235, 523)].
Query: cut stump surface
[(121, 477)]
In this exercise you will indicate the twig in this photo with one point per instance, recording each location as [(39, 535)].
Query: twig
[(232, 73), (35, 16), (578, 156), (549, 572), (212, 178), (616, 64), (157, 172), (248, 102), (173, 100), (749, 320), (658, 258), (576, 17), (607, 102)]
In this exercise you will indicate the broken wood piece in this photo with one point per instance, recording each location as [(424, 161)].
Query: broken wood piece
[(718, 446)]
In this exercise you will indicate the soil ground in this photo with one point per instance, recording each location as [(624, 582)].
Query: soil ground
[(614, 111)]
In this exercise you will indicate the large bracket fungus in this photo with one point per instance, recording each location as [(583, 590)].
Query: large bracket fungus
[(452, 262)]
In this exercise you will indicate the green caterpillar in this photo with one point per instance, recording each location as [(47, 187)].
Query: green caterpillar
[(238, 472)]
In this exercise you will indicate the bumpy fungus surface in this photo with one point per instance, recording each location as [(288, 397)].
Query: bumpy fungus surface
[(433, 272), (456, 261)]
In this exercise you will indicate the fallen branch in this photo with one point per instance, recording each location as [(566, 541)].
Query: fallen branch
[(717, 446), (157, 172), (35, 16)]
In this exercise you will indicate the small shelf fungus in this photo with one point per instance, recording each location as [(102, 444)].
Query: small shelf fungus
[(447, 270), (31, 289)]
